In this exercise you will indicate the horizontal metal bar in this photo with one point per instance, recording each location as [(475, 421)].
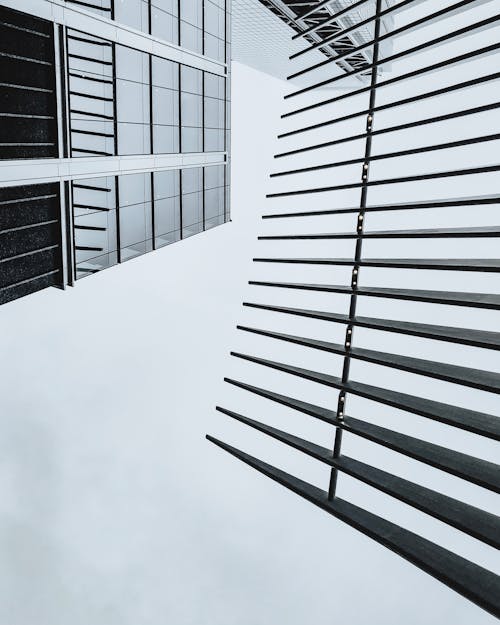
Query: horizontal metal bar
[(419, 233), (448, 145), (472, 581), (89, 132), (465, 376), (429, 95), (374, 183), (87, 248), (90, 96), (90, 114), (428, 69), (92, 78), (94, 208), (90, 187), (474, 200), (428, 20), (415, 124), (442, 264), (462, 418), (91, 41), (90, 6), (453, 298), (473, 521), (96, 228), (353, 28), (89, 59), (95, 152), (449, 334), (336, 16), (469, 468), (432, 44)]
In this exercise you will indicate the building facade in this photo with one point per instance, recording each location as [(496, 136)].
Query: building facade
[(114, 133)]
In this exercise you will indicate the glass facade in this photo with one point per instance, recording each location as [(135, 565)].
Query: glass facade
[(125, 102), (117, 218), (197, 25), (103, 102)]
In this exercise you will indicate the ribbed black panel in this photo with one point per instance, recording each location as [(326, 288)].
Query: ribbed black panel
[(28, 125), (30, 240), (398, 256)]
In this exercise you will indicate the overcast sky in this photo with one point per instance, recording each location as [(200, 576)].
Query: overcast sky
[(114, 509)]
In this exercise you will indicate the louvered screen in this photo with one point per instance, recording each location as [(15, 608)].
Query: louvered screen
[(369, 339), (28, 112)]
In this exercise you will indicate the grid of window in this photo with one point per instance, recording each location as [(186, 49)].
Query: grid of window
[(198, 25), (213, 112), (133, 101), (191, 109), (215, 29), (165, 94), (117, 218), (165, 20), (127, 102)]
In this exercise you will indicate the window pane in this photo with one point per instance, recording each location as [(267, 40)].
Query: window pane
[(192, 201)]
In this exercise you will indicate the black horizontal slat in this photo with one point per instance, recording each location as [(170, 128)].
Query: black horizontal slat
[(29, 266), (464, 336), (485, 200), (475, 470), (476, 110), (428, 45), (475, 300), (450, 264), (462, 418), (428, 95), (426, 70), (427, 20), (17, 242), (472, 581), (29, 286), (447, 145), (419, 233), (477, 523), (431, 175), (475, 378)]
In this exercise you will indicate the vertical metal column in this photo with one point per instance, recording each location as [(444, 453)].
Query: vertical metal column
[(357, 254)]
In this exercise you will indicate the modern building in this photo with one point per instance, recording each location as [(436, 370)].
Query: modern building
[(114, 133)]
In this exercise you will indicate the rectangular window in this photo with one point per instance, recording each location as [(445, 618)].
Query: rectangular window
[(132, 101), (215, 29), (167, 207), (135, 215), (214, 196), (191, 109), (192, 201), (192, 25), (165, 20), (165, 78), (133, 13), (214, 112)]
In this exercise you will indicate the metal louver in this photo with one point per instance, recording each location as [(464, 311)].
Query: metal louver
[(416, 294)]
